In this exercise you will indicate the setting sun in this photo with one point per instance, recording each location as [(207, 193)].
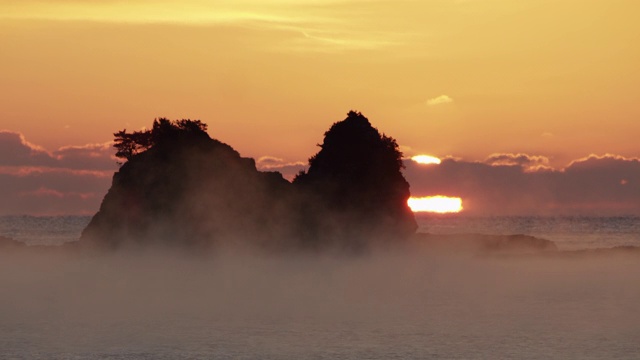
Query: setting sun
[(426, 159), (437, 204)]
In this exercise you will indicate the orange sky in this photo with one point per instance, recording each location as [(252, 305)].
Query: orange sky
[(466, 78)]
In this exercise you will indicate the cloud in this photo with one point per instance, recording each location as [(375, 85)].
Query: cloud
[(91, 156), (74, 179), (69, 180), (527, 162), (601, 160), (288, 169), (442, 99), (15, 150), (39, 191), (269, 161), (306, 26), (595, 185), (145, 12)]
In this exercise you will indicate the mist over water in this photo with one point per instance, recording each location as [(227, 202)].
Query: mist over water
[(567, 232), (394, 303)]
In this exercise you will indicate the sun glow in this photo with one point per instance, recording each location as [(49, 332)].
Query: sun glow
[(437, 204), (426, 159)]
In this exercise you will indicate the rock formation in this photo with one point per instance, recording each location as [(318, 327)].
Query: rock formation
[(186, 189), (179, 186), (356, 185)]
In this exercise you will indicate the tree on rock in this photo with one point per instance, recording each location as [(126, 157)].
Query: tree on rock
[(356, 178), (163, 132)]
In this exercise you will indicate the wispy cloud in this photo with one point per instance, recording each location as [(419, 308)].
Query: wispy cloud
[(185, 12), (442, 99), (15, 150), (602, 160), (526, 161), (288, 169), (307, 25)]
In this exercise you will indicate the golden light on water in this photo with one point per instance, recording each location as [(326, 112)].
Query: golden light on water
[(426, 159), (437, 204)]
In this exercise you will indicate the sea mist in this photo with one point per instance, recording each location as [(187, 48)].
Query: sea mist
[(394, 303)]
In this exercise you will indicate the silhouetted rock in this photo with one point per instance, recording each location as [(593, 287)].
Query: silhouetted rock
[(355, 187), (485, 244), (621, 250), (179, 186), (187, 189)]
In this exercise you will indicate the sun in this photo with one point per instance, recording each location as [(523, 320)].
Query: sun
[(426, 159), (436, 204)]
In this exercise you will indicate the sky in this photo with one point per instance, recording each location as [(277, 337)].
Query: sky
[(540, 95)]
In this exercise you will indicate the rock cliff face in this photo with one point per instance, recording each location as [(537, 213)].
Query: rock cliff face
[(187, 190), (355, 182), (181, 187)]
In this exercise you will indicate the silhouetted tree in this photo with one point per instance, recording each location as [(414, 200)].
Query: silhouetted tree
[(163, 131), (129, 144)]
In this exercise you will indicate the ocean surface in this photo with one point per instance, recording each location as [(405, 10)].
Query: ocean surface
[(386, 305), (568, 232)]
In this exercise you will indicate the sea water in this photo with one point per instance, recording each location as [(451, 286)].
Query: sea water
[(568, 232), (385, 305), (43, 230)]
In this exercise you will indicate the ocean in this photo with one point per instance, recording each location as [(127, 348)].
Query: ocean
[(568, 232), (386, 305)]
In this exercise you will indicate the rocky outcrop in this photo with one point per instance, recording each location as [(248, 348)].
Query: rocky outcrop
[(356, 185), (484, 244), (180, 187), (187, 190)]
